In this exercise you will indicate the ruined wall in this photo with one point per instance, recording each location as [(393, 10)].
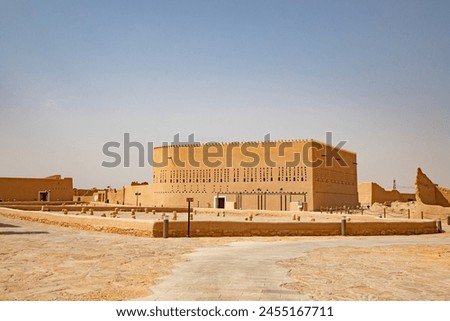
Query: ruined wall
[(27, 189), (432, 201), (443, 196), (370, 192), (429, 193)]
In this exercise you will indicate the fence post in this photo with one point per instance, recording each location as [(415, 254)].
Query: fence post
[(343, 226), (166, 226), (439, 225)]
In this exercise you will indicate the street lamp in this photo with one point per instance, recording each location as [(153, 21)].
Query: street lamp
[(281, 198), (137, 198), (189, 200)]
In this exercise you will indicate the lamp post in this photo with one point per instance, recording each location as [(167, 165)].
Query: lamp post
[(281, 198), (259, 199), (265, 199), (189, 200), (107, 190), (137, 198)]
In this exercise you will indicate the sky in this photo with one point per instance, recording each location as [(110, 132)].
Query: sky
[(75, 75)]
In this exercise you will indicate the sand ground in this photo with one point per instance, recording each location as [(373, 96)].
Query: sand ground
[(44, 262), (386, 273)]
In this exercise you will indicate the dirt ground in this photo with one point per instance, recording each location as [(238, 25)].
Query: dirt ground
[(382, 273), (43, 262)]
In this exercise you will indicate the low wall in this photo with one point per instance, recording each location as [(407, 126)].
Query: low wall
[(229, 228), (9, 204), (215, 211), (101, 208), (91, 223), (222, 228), (391, 228)]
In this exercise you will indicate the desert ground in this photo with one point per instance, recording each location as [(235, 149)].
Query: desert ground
[(46, 262), (395, 272)]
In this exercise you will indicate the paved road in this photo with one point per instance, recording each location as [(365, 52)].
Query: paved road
[(248, 270)]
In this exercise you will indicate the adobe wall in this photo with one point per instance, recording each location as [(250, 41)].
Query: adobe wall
[(370, 193), (429, 193), (127, 196), (96, 207), (27, 189), (365, 193), (83, 199), (334, 181), (222, 228), (100, 224), (432, 201), (270, 167), (431, 211), (229, 228), (391, 228), (84, 195), (205, 171)]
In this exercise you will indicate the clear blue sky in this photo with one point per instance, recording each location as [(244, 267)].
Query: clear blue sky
[(76, 74)]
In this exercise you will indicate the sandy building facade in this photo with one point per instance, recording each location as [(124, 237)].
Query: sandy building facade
[(272, 175), (52, 188)]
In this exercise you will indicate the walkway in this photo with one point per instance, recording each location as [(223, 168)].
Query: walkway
[(248, 270)]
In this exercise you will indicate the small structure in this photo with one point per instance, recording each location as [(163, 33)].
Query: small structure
[(52, 188)]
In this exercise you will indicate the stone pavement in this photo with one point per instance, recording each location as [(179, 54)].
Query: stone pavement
[(249, 270)]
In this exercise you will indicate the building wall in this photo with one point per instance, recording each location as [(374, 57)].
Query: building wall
[(251, 168), (84, 195), (334, 181), (127, 195), (27, 189), (369, 193)]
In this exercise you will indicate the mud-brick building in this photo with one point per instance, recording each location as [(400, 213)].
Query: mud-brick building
[(52, 188), (272, 175)]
